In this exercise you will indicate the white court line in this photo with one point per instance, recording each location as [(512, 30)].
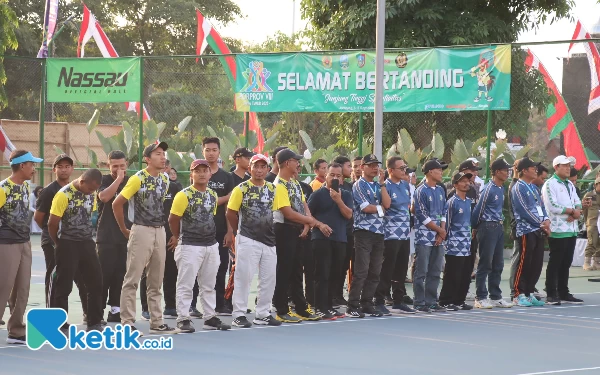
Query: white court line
[(561, 371)]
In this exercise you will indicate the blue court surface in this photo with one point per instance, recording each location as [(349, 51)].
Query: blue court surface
[(535, 340)]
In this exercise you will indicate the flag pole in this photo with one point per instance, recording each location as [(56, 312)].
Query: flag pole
[(379, 67)]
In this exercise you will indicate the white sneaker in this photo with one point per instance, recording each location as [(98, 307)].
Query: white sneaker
[(483, 304), (501, 303), (540, 294), (470, 296)]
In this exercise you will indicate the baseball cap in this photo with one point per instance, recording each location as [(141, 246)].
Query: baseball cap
[(286, 154), (277, 149), (243, 151), (409, 170), (468, 164), (526, 163), (370, 159), (259, 157), (60, 158), (561, 159), (197, 163), (500, 164), (460, 175), (28, 157), (150, 148), (474, 160), (433, 164)]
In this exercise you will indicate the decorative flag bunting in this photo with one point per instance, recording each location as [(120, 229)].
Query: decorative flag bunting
[(6, 146), (208, 36), (50, 17), (594, 62), (90, 28), (559, 118)]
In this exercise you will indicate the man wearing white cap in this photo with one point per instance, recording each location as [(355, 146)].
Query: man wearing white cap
[(564, 210)]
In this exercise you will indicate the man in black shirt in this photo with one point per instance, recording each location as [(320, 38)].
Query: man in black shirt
[(241, 156), (337, 282), (275, 170), (62, 168), (111, 244), (222, 183)]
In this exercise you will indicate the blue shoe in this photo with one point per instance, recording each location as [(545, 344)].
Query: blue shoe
[(384, 310), (145, 315), (523, 301), (536, 302)]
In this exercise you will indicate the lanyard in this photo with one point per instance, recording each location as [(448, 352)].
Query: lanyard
[(371, 188), (531, 191)]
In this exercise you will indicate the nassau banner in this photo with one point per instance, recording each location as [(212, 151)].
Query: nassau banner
[(437, 79), (93, 80)]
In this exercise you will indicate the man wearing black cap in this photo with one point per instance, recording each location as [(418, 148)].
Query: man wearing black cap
[(241, 156), (272, 175), (147, 243), (292, 220), (430, 222), (370, 200), (487, 220)]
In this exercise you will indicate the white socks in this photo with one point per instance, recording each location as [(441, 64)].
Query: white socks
[(115, 309)]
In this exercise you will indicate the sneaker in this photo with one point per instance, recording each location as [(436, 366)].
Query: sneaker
[(186, 326), (483, 304), (267, 321), (354, 312), (536, 302), (339, 302), (389, 301), (95, 327), (371, 311), (539, 294), (437, 308), (242, 322), (470, 296), (450, 307), (2, 322), (407, 300), (422, 309), (113, 318), (337, 314), (325, 315), (402, 308), (195, 313), (223, 311), (170, 313), (465, 307), (550, 300), (569, 298), (133, 329), (145, 315), (501, 303), (523, 301), (307, 314), (288, 317), (164, 329), (103, 322), (383, 310), (215, 324), (14, 340)]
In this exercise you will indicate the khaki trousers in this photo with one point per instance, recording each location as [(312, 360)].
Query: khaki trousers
[(15, 278), (146, 249)]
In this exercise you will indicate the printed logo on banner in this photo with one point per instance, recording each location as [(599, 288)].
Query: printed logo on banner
[(361, 60), (344, 62), (401, 60), (327, 62), (256, 76)]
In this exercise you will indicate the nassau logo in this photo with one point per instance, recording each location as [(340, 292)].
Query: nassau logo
[(361, 60), (256, 76), (344, 62), (327, 62)]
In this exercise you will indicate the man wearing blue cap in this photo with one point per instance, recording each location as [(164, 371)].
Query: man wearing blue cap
[(15, 244)]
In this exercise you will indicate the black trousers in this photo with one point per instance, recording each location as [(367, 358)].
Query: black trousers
[(113, 261), (329, 257), (348, 262), (557, 271), (170, 280), (396, 255), (457, 274), (289, 268), (50, 258), (308, 267), (530, 248), (368, 257), (222, 272), (73, 256)]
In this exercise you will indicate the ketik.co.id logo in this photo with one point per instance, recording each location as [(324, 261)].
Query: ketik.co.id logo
[(43, 327)]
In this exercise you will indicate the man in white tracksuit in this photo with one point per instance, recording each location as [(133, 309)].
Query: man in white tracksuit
[(564, 210)]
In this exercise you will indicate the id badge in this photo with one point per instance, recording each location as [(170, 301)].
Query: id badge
[(539, 211), (380, 211)]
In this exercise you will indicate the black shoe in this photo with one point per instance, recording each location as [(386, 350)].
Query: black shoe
[(371, 311), (325, 315), (95, 327), (242, 322), (307, 314), (215, 324), (389, 301), (407, 300), (186, 326), (383, 310), (133, 329), (248, 311), (339, 302), (2, 322), (465, 306), (422, 309), (438, 308), (14, 340), (550, 300), (569, 298), (354, 312), (402, 308), (450, 307), (223, 311), (170, 313), (164, 329), (337, 314), (113, 318), (267, 321), (195, 313)]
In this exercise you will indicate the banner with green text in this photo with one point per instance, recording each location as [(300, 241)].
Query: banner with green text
[(437, 79), (93, 80)]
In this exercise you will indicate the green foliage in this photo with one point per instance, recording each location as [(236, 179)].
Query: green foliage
[(8, 40)]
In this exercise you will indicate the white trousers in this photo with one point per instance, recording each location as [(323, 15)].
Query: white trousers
[(251, 255), (201, 262)]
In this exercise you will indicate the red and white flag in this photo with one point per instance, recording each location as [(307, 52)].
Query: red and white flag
[(90, 28), (593, 58), (6, 146)]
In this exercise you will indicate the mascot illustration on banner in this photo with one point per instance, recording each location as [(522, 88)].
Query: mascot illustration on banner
[(485, 80)]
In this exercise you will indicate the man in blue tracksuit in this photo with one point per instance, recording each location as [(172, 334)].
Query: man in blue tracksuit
[(487, 220), (532, 226)]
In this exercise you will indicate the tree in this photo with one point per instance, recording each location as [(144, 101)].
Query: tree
[(8, 40)]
